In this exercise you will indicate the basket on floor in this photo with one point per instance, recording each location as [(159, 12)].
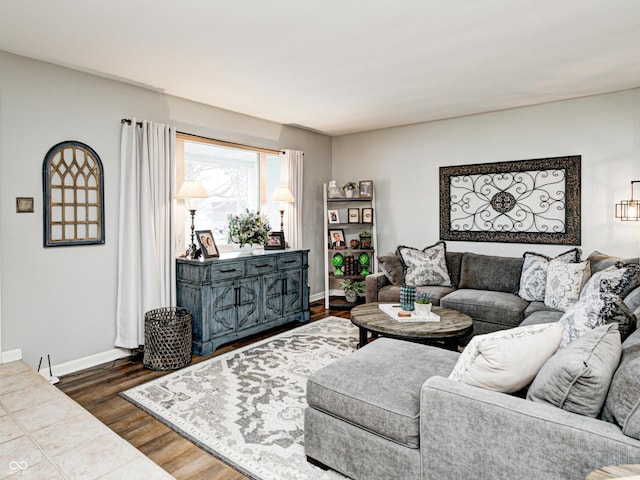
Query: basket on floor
[(167, 338)]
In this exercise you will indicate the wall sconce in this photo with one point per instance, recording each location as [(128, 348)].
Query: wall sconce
[(629, 210), (191, 190)]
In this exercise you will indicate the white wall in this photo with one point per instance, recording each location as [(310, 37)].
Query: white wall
[(61, 301), (404, 161)]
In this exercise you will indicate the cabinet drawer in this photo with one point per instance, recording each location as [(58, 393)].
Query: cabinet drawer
[(226, 270), (261, 265), (292, 260)]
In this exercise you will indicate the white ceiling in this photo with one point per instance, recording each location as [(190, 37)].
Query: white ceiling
[(341, 66)]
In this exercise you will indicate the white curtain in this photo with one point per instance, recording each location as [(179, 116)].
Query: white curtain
[(146, 265), (291, 170)]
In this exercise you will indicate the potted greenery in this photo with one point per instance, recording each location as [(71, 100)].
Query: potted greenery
[(352, 289), (365, 240), (248, 228), (348, 188), (422, 306)]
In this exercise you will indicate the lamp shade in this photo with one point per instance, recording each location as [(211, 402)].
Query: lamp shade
[(282, 194), (192, 189), (629, 210)]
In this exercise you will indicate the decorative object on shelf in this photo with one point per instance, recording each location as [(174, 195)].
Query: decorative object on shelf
[(422, 306), (354, 244), (333, 216), (207, 243), (407, 297), (283, 195), (353, 215), (72, 180), (336, 239), (349, 188), (352, 289), (248, 228), (529, 201), (367, 215), (275, 241), (629, 210), (24, 204), (192, 189), (364, 260), (365, 240), (350, 268), (338, 261), (366, 189), (333, 191)]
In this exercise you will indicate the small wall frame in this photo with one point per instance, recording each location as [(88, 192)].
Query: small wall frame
[(73, 185)]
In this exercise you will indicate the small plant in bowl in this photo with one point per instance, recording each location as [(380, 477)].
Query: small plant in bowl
[(349, 188), (365, 240), (422, 306), (352, 288)]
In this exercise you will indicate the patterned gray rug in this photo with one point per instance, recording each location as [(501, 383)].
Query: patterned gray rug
[(246, 407)]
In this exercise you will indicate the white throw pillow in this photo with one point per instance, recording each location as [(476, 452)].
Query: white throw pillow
[(533, 280), (564, 283), (507, 360), (426, 267)]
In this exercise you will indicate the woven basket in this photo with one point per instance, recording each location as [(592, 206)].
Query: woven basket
[(167, 338)]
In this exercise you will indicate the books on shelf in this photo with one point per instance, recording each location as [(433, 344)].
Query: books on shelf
[(393, 311)]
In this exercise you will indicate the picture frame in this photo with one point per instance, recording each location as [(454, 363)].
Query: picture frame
[(367, 215), (207, 243), (522, 201), (275, 241), (333, 216), (336, 239), (353, 215), (24, 204), (365, 189)]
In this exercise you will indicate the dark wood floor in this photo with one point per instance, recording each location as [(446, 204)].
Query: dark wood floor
[(97, 389)]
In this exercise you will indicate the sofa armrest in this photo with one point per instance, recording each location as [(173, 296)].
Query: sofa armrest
[(469, 432), (373, 283)]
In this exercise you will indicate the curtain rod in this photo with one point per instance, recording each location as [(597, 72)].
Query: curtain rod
[(222, 142)]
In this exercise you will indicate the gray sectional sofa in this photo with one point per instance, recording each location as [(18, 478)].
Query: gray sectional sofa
[(388, 410)]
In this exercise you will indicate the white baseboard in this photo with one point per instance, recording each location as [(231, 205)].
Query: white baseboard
[(316, 296), (84, 363), (11, 356)]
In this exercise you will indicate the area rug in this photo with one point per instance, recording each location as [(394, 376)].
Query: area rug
[(246, 407)]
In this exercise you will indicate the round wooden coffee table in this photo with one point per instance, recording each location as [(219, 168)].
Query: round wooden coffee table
[(615, 471), (452, 326)]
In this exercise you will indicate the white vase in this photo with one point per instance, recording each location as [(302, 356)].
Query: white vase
[(348, 192), (351, 296), (422, 310), (247, 248)]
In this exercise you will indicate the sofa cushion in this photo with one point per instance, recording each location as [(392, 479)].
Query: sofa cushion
[(495, 307), (633, 301), (488, 272), (564, 283), (425, 267), (391, 293), (351, 387), (542, 316), (533, 280), (507, 361), (577, 378), (454, 260), (599, 261), (391, 265), (622, 405)]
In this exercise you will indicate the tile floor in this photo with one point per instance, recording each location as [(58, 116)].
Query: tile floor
[(46, 435)]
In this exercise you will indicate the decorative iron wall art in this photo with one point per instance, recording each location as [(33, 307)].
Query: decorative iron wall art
[(527, 201), (72, 180)]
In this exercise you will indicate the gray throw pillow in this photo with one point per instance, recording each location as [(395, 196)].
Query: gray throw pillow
[(391, 265), (577, 378), (533, 280), (623, 401), (425, 267)]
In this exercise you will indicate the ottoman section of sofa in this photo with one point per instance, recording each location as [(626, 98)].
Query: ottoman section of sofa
[(378, 387)]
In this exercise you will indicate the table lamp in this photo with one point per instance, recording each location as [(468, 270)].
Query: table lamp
[(192, 189), (282, 195)]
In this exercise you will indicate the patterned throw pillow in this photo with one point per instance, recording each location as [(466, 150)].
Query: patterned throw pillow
[(533, 281), (391, 265), (594, 309), (622, 280), (507, 360), (564, 283), (426, 267)]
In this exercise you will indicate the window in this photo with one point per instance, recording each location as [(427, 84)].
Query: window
[(235, 177)]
